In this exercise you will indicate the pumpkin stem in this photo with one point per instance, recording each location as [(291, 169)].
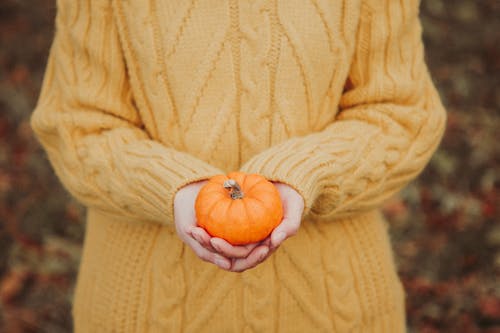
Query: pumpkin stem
[(234, 188)]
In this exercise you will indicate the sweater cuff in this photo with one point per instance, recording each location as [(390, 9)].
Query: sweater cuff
[(300, 170), (159, 175), (138, 179), (178, 181)]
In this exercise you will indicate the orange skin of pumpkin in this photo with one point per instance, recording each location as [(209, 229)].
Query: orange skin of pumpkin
[(239, 221)]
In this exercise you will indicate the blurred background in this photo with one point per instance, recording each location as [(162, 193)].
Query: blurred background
[(445, 225)]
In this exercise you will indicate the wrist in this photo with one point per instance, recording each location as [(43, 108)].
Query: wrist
[(189, 189)]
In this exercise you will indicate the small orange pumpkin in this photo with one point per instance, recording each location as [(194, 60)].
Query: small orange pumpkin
[(240, 208)]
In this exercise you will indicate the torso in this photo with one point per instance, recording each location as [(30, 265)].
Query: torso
[(224, 80)]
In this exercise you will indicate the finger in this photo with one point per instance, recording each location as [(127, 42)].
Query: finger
[(287, 228), (231, 251), (293, 202), (209, 256), (266, 241), (254, 258), (202, 237)]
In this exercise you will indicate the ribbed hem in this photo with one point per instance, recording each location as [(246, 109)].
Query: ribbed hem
[(379, 288), (390, 322), (113, 280)]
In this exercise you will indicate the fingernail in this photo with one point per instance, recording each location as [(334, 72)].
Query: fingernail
[(189, 231), (197, 237), (221, 263), (214, 245), (263, 254)]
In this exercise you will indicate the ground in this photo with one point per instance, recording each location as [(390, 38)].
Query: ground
[(445, 225)]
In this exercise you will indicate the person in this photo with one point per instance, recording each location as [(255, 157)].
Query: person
[(143, 102)]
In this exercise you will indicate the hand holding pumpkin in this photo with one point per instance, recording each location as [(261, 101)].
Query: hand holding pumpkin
[(240, 208), (248, 216), (293, 206), (197, 238), (185, 224)]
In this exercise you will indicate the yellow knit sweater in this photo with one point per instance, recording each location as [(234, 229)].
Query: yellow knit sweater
[(331, 97)]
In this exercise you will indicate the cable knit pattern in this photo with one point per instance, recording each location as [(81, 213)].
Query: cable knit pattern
[(331, 97), (389, 123)]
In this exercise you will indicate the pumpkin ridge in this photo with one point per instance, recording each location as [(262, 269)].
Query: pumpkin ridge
[(219, 203), (252, 218), (228, 207), (247, 190), (234, 214), (248, 178), (247, 217), (213, 204), (212, 208), (259, 200), (242, 220)]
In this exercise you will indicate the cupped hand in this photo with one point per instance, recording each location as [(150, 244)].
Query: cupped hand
[(250, 255), (185, 225), (235, 258)]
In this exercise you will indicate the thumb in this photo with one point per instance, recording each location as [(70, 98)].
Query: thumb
[(287, 228)]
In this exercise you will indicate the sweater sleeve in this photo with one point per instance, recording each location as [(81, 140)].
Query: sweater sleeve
[(390, 122), (87, 122)]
